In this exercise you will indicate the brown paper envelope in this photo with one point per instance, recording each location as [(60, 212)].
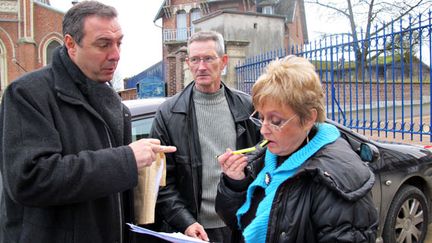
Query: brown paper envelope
[(145, 194)]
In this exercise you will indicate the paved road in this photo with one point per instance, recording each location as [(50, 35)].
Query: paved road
[(429, 235)]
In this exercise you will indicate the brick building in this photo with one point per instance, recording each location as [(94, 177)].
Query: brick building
[(29, 31), (247, 26)]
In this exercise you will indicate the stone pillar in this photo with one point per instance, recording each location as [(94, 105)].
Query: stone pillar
[(170, 72), (174, 73), (236, 51), (181, 55)]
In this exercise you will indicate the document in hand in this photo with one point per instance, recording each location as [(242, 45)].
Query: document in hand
[(145, 194), (172, 237)]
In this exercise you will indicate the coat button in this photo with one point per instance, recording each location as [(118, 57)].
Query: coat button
[(283, 235)]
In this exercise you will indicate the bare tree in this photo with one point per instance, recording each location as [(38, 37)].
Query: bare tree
[(364, 15)]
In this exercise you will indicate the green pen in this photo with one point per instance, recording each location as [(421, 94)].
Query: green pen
[(248, 150), (244, 151)]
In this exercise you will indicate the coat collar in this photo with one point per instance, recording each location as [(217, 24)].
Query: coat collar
[(74, 87), (331, 166), (68, 78)]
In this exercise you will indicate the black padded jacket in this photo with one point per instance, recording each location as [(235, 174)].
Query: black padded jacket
[(327, 200)]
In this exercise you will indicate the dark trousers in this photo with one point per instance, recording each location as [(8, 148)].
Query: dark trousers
[(219, 235)]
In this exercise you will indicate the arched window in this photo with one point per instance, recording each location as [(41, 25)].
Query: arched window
[(50, 50), (181, 25), (195, 14)]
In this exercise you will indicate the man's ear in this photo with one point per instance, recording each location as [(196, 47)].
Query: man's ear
[(70, 44), (224, 59)]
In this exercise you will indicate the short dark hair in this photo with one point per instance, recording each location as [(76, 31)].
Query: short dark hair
[(73, 21)]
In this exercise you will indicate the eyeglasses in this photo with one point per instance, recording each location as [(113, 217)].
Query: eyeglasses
[(277, 126), (205, 59)]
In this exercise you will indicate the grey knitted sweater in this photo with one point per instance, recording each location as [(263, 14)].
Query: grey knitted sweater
[(216, 133)]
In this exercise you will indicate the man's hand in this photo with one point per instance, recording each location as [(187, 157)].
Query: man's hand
[(196, 230), (145, 151)]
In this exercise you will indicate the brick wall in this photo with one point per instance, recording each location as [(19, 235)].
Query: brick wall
[(174, 62), (46, 25)]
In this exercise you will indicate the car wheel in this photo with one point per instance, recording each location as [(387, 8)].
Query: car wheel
[(407, 218)]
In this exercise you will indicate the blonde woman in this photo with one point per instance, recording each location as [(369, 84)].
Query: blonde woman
[(307, 185)]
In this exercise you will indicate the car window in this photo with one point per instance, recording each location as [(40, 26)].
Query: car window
[(141, 128)]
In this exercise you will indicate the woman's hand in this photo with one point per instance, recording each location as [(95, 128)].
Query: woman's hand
[(233, 164)]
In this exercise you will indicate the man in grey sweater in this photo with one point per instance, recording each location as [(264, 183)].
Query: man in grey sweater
[(202, 121)]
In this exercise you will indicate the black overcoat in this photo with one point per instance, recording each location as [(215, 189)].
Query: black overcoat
[(64, 164)]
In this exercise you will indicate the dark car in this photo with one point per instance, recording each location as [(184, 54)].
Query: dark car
[(403, 185)]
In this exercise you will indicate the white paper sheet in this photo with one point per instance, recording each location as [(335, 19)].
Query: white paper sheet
[(172, 237)]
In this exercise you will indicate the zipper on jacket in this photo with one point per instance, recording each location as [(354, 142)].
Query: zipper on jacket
[(118, 194), (193, 159), (276, 204)]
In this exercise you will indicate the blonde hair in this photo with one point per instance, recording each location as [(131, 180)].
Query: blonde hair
[(291, 81)]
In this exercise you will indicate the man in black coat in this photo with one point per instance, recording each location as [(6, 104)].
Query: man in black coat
[(202, 121), (66, 159)]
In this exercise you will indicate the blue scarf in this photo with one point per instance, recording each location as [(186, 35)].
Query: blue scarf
[(271, 177)]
